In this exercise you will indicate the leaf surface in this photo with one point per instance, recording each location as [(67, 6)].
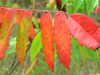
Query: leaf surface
[(47, 34), (5, 30), (23, 34), (84, 30), (35, 46), (2, 13), (62, 38), (90, 4), (77, 4)]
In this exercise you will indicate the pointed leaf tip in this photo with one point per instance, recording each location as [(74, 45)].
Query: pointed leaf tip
[(47, 38), (62, 38)]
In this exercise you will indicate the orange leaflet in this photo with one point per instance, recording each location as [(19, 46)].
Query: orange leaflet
[(62, 38), (84, 30), (5, 30), (18, 15), (23, 34), (47, 38)]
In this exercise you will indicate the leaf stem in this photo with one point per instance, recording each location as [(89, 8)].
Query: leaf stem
[(31, 10)]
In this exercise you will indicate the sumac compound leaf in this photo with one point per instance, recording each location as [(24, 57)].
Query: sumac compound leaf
[(84, 30), (23, 34), (62, 38), (5, 30), (47, 38)]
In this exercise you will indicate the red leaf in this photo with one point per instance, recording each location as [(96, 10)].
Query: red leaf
[(47, 38), (62, 38), (23, 34), (84, 30), (5, 30), (2, 13)]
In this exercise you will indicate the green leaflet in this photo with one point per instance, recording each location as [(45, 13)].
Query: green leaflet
[(39, 70), (63, 3), (33, 72), (77, 4), (35, 46), (91, 53), (90, 4), (84, 53), (12, 44), (74, 52), (42, 62)]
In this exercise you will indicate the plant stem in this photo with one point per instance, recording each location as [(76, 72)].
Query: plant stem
[(31, 10), (41, 3)]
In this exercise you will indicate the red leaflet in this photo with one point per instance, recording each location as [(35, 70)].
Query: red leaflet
[(5, 30), (32, 33), (84, 30), (47, 38), (62, 38), (2, 13), (23, 34)]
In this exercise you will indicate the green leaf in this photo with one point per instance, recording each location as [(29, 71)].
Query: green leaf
[(35, 46), (33, 72), (36, 23), (77, 4), (12, 44), (74, 51), (42, 62), (91, 53), (84, 53), (90, 4), (39, 70), (63, 3)]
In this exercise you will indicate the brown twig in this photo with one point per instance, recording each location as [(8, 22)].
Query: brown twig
[(31, 10), (41, 3), (17, 63)]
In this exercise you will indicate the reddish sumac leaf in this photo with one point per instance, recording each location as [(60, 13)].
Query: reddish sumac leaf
[(18, 15), (62, 38), (32, 33), (2, 13), (5, 30), (47, 38), (23, 34), (84, 30)]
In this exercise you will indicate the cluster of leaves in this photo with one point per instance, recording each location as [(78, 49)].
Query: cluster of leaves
[(80, 26), (85, 31)]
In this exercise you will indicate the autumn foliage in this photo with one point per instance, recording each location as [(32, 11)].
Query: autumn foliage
[(80, 26)]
